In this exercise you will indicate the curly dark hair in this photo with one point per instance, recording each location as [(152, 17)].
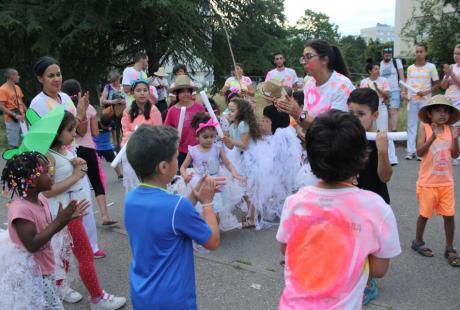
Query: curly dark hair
[(198, 119), (246, 114), (336, 146), (20, 170)]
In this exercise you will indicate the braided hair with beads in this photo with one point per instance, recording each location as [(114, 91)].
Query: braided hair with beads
[(21, 170)]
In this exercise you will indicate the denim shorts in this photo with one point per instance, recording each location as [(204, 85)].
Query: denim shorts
[(395, 99), (13, 133)]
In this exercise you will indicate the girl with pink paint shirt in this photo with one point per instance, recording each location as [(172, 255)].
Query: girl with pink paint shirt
[(333, 234)]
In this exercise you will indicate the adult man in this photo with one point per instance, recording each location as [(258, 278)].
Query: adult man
[(392, 69), (12, 106), (137, 72), (287, 75)]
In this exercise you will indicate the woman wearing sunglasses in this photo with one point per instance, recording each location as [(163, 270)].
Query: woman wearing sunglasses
[(329, 85)]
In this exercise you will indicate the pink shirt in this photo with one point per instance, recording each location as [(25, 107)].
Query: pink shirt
[(329, 235), (188, 134), (87, 139), (129, 126), (41, 217)]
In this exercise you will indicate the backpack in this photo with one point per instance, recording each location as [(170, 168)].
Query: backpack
[(396, 67)]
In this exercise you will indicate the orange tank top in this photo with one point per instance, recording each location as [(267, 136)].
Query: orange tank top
[(436, 165)]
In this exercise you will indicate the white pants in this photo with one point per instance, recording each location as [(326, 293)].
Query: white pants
[(413, 107)]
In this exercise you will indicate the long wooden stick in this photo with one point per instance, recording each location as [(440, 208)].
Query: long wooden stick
[(214, 6)]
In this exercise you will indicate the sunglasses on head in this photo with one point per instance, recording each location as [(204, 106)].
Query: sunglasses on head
[(387, 50)]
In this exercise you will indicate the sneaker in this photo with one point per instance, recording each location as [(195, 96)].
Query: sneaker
[(419, 158), (456, 162), (120, 177), (107, 302), (69, 295), (410, 156), (371, 292), (99, 254)]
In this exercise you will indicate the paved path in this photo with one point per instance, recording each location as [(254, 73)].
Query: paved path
[(244, 273)]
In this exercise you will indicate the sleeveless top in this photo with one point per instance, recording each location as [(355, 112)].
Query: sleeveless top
[(436, 165), (205, 162)]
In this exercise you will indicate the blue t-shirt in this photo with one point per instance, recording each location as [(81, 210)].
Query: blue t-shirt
[(161, 227), (102, 141)]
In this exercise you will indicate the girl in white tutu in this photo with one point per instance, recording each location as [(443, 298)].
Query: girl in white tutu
[(243, 133), (27, 259), (206, 157)]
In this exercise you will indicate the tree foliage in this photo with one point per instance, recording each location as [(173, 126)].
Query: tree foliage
[(437, 22)]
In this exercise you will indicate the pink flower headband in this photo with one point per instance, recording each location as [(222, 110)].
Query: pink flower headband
[(209, 123)]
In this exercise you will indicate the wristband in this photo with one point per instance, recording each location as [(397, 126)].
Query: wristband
[(207, 205)]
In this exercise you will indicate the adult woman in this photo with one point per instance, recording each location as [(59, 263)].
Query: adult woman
[(112, 96), (239, 83), (328, 88), (423, 77), (451, 82)]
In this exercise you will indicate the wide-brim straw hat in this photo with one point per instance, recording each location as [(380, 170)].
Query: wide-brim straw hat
[(161, 72), (271, 89), (183, 82), (440, 100)]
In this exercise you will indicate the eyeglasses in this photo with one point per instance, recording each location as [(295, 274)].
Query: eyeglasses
[(307, 56)]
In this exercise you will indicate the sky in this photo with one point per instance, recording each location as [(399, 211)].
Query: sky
[(349, 15)]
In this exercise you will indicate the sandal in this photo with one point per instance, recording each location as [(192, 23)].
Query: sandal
[(248, 224), (452, 257), (421, 249), (106, 221)]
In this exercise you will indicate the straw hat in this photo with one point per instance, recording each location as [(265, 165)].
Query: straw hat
[(440, 100), (182, 82), (271, 89), (161, 72)]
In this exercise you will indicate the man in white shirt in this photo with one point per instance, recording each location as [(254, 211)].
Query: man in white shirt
[(288, 76), (392, 69), (137, 72)]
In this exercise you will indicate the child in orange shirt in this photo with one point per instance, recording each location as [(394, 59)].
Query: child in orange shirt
[(437, 145)]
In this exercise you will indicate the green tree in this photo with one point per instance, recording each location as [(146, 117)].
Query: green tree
[(438, 24), (89, 37), (311, 25), (352, 48)]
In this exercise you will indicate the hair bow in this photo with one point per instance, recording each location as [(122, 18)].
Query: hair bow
[(209, 123)]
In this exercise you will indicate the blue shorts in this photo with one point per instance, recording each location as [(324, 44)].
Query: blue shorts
[(395, 99)]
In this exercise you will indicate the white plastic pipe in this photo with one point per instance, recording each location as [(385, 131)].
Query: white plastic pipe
[(23, 127), (180, 126), (402, 83), (207, 104), (392, 136), (120, 154)]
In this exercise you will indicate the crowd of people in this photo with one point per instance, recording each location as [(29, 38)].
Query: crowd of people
[(306, 163)]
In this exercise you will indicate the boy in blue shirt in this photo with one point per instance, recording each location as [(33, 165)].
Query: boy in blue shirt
[(161, 225)]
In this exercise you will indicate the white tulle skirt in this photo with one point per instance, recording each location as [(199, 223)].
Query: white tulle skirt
[(275, 169), (22, 285), (130, 179)]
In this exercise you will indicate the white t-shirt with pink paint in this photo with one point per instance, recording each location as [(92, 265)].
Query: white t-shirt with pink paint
[(381, 82), (453, 92), (331, 95), (288, 76), (329, 235)]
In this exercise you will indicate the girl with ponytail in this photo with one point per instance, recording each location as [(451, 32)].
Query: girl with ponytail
[(328, 88)]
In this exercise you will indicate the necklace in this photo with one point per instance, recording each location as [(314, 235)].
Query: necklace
[(152, 186)]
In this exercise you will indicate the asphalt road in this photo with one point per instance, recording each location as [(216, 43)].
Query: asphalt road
[(244, 273)]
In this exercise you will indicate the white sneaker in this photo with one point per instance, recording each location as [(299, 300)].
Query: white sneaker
[(108, 302), (456, 161), (69, 295)]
